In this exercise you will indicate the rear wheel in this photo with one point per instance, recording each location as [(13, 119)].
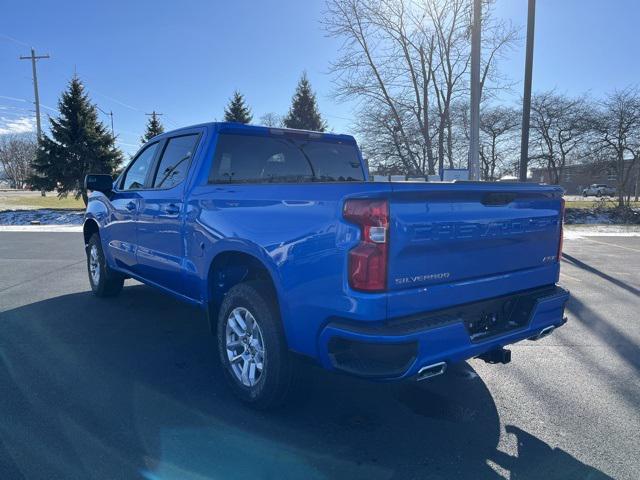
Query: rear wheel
[(252, 346), (104, 281)]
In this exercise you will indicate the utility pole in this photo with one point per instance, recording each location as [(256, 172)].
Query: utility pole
[(154, 122), (154, 115), (635, 190), (110, 113), (474, 134), (33, 57), (526, 100)]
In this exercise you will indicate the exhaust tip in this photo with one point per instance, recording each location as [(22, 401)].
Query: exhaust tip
[(546, 331), (432, 370)]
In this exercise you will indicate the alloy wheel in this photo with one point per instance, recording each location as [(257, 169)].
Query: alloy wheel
[(245, 346)]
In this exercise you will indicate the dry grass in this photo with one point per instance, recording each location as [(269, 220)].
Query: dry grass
[(50, 201), (595, 203)]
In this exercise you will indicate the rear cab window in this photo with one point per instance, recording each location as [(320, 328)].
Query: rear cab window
[(242, 158)]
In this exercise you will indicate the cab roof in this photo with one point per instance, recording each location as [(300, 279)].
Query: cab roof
[(240, 128)]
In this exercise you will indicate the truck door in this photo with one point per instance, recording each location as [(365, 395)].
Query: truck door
[(120, 229), (160, 222)]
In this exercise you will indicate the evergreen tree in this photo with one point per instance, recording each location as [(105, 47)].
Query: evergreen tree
[(237, 110), (79, 144), (304, 113), (154, 127)]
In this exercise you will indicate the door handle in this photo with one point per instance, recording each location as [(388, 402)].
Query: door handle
[(131, 206), (172, 209)]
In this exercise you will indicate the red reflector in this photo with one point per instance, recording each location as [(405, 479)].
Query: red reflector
[(368, 267), (368, 260)]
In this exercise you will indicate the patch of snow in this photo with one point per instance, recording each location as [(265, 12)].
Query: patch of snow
[(572, 232), (43, 216), (42, 228)]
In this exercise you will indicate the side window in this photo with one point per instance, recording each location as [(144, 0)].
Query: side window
[(174, 164), (137, 173)]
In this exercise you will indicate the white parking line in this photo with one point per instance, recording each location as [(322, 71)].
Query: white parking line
[(583, 233), (613, 245)]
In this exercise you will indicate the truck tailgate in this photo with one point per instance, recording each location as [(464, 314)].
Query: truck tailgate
[(452, 233)]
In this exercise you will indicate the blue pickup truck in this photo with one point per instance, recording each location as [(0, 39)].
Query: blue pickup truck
[(289, 248)]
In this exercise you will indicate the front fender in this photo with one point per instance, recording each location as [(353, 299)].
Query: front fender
[(96, 217), (98, 207)]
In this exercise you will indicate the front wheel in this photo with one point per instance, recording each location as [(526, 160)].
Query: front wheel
[(104, 282), (252, 347)]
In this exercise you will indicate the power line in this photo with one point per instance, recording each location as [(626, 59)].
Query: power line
[(170, 120), (49, 108), (15, 99), (15, 40), (115, 100), (33, 57), (16, 113)]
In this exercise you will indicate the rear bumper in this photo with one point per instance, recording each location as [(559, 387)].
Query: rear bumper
[(399, 348)]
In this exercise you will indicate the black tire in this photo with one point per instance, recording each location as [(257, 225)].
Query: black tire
[(598, 194), (584, 194), (273, 382), (106, 283)]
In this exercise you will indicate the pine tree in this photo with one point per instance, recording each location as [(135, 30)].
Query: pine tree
[(154, 127), (237, 110), (79, 144), (304, 113)]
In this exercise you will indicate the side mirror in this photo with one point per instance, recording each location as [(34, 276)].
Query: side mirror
[(98, 182)]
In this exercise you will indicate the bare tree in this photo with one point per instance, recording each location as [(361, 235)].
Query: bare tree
[(498, 143), (618, 134), (560, 129), (16, 154), (271, 119), (381, 141), (405, 61)]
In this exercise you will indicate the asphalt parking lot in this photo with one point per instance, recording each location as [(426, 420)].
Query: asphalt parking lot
[(127, 388)]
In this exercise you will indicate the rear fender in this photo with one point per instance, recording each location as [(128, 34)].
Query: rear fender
[(232, 245)]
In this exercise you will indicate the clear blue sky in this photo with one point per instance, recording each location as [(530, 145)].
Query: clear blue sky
[(186, 58)]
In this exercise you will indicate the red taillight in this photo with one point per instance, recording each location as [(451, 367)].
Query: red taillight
[(368, 260), (561, 229)]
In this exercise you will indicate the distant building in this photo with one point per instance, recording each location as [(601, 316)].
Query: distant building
[(577, 177)]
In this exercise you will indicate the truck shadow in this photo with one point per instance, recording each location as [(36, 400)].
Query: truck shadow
[(128, 388), (615, 281)]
